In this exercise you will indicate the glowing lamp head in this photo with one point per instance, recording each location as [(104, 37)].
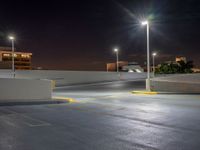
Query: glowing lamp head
[(115, 50), (144, 22), (11, 37), (154, 54)]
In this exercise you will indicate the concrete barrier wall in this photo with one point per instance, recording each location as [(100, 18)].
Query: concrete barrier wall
[(178, 87), (5, 73), (75, 77), (24, 89), (193, 77), (185, 83)]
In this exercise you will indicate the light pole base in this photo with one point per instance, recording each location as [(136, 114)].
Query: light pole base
[(148, 85)]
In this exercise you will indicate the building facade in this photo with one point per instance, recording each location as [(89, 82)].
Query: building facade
[(22, 60), (181, 58), (125, 66), (113, 66), (132, 67)]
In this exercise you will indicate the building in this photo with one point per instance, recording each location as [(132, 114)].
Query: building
[(196, 70), (181, 58), (125, 66), (132, 67), (113, 66), (22, 59)]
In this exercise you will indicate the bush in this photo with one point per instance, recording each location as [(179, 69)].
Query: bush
[(179, 67)]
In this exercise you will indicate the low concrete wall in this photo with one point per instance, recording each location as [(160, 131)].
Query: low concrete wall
[(5, 73), (75, 77), (186, 83), (24, 89)]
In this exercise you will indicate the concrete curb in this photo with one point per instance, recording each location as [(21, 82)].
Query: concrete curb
[(145, 92), (67, 99), (14, 103), (53, 84)]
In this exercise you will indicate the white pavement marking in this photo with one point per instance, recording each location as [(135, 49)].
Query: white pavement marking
[(31, 122)]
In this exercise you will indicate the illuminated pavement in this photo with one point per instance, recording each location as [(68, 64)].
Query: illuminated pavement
[(105, 117)]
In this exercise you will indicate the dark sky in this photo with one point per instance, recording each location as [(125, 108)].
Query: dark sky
[(81, 34)]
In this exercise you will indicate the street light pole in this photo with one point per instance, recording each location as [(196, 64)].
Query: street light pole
[(13, 56), (148, 59), (116, 51), (154, 54)]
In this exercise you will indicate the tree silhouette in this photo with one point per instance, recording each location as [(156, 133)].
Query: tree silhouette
[(179, 67)]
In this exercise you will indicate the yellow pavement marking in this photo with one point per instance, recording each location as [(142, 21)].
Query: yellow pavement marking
[(70, 100), (53, 84), (145, 92)]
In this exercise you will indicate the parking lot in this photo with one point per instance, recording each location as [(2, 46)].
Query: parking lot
[(104, 116)]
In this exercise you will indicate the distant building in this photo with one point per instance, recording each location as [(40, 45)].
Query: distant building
[(113, 66), (196, 70), (132, 67), (125, 66), (22, 59), (181, 58)]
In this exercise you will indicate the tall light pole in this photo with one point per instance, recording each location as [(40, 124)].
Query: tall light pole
[(116, 51), (148, 59), (153, 55), (13, 56)]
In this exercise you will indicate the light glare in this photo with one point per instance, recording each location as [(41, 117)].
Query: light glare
[(154, 54), (116, 50), (11, 37), (144, 23)]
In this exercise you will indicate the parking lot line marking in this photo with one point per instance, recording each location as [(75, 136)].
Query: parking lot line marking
[(31, 122), (6, 120)]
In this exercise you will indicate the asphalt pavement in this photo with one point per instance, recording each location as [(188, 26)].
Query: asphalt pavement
[(96, 90), (105, 116)]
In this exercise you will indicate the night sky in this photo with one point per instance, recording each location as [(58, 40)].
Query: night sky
[(81, 34)]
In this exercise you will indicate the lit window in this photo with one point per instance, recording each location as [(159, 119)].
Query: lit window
[(6, 55), (25, 56)]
